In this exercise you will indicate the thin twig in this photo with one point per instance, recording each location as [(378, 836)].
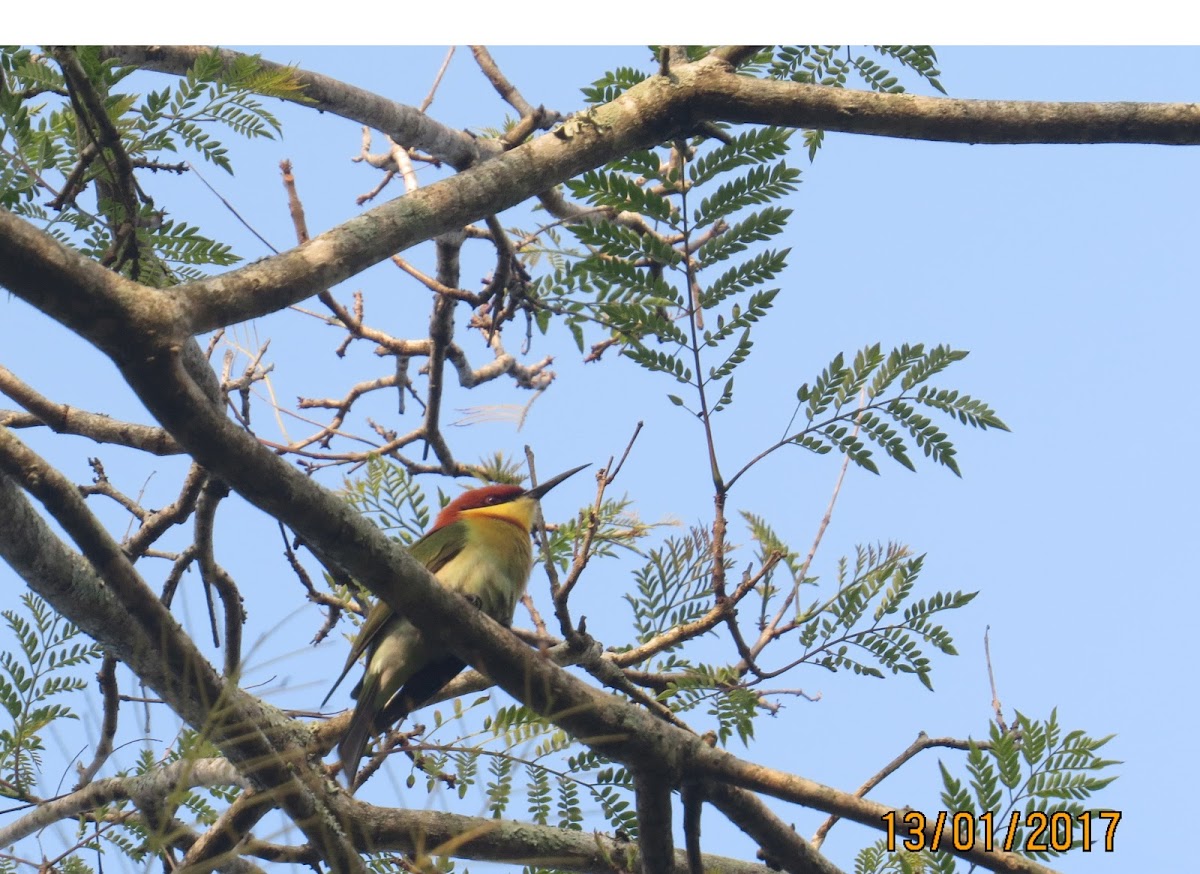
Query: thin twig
[(609, 477), (504, 88), (441, 333), (229, 206), (216, 577), (436, 286), (539, 623), (996, 706), (295, 207), (92, 114), (923, 742), (404, 165), (772, 629), (156, 523), (107, 680), (437, 80)]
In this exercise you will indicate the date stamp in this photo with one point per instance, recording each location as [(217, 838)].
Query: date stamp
[(1032, 832)]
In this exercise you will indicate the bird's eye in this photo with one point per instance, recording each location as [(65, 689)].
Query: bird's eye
[(492, 499)]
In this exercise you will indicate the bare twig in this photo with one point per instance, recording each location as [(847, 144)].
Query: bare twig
[(923, 742), (232, 209), (772, 630), (609, 477), (436, 286), (102, 486), (295, 207), (336, 605), (504, 88), (216, 577), (539, 623), (441, 332), (437, 80), (404, 123), (65, 419), (107, 680), (997, 708), (686, 631), (561, 593), (74, 184), (404, 165)]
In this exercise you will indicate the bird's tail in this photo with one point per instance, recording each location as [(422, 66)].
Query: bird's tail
[(421, 686), (354, 741)]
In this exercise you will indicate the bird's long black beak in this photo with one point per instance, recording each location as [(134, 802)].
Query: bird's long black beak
[(541, 488)]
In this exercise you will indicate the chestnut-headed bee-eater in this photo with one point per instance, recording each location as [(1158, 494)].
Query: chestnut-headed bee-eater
[(479, 547)]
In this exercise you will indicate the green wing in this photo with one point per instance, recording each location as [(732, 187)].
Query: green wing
[(433, 550)]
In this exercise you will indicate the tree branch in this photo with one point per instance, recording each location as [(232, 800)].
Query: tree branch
[(103, 595), (65, 419), (650, 112), (744, 99), (655, 841), (923, 742), (148, 334), (508, 841), (152, 786), (404, 124)]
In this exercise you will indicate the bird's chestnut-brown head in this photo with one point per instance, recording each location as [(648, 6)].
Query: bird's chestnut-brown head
[(508, 502)]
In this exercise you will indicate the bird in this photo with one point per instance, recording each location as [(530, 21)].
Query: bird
[(478, 547)]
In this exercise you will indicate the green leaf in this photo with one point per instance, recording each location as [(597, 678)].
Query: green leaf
[(620, 192), (756, 228), (760, 185), (753, 271), (612, 85), (753, 146)]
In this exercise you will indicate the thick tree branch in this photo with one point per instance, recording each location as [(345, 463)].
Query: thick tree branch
[(735, 55), (636, 119), (944, 119), (39, 263), (650, 112), (619, 730), (148, 334), (497, 840), (655, 840), (102, 594), (219, 844), (329, 525), (778, 841), (404, 124), (151, 786), (809, 793)]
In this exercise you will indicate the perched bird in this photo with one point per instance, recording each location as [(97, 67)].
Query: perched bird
[(479, 547)]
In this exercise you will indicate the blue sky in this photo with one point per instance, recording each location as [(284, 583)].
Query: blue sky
[(1069, 273)]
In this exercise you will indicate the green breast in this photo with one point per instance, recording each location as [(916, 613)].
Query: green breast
[(492, 567)]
